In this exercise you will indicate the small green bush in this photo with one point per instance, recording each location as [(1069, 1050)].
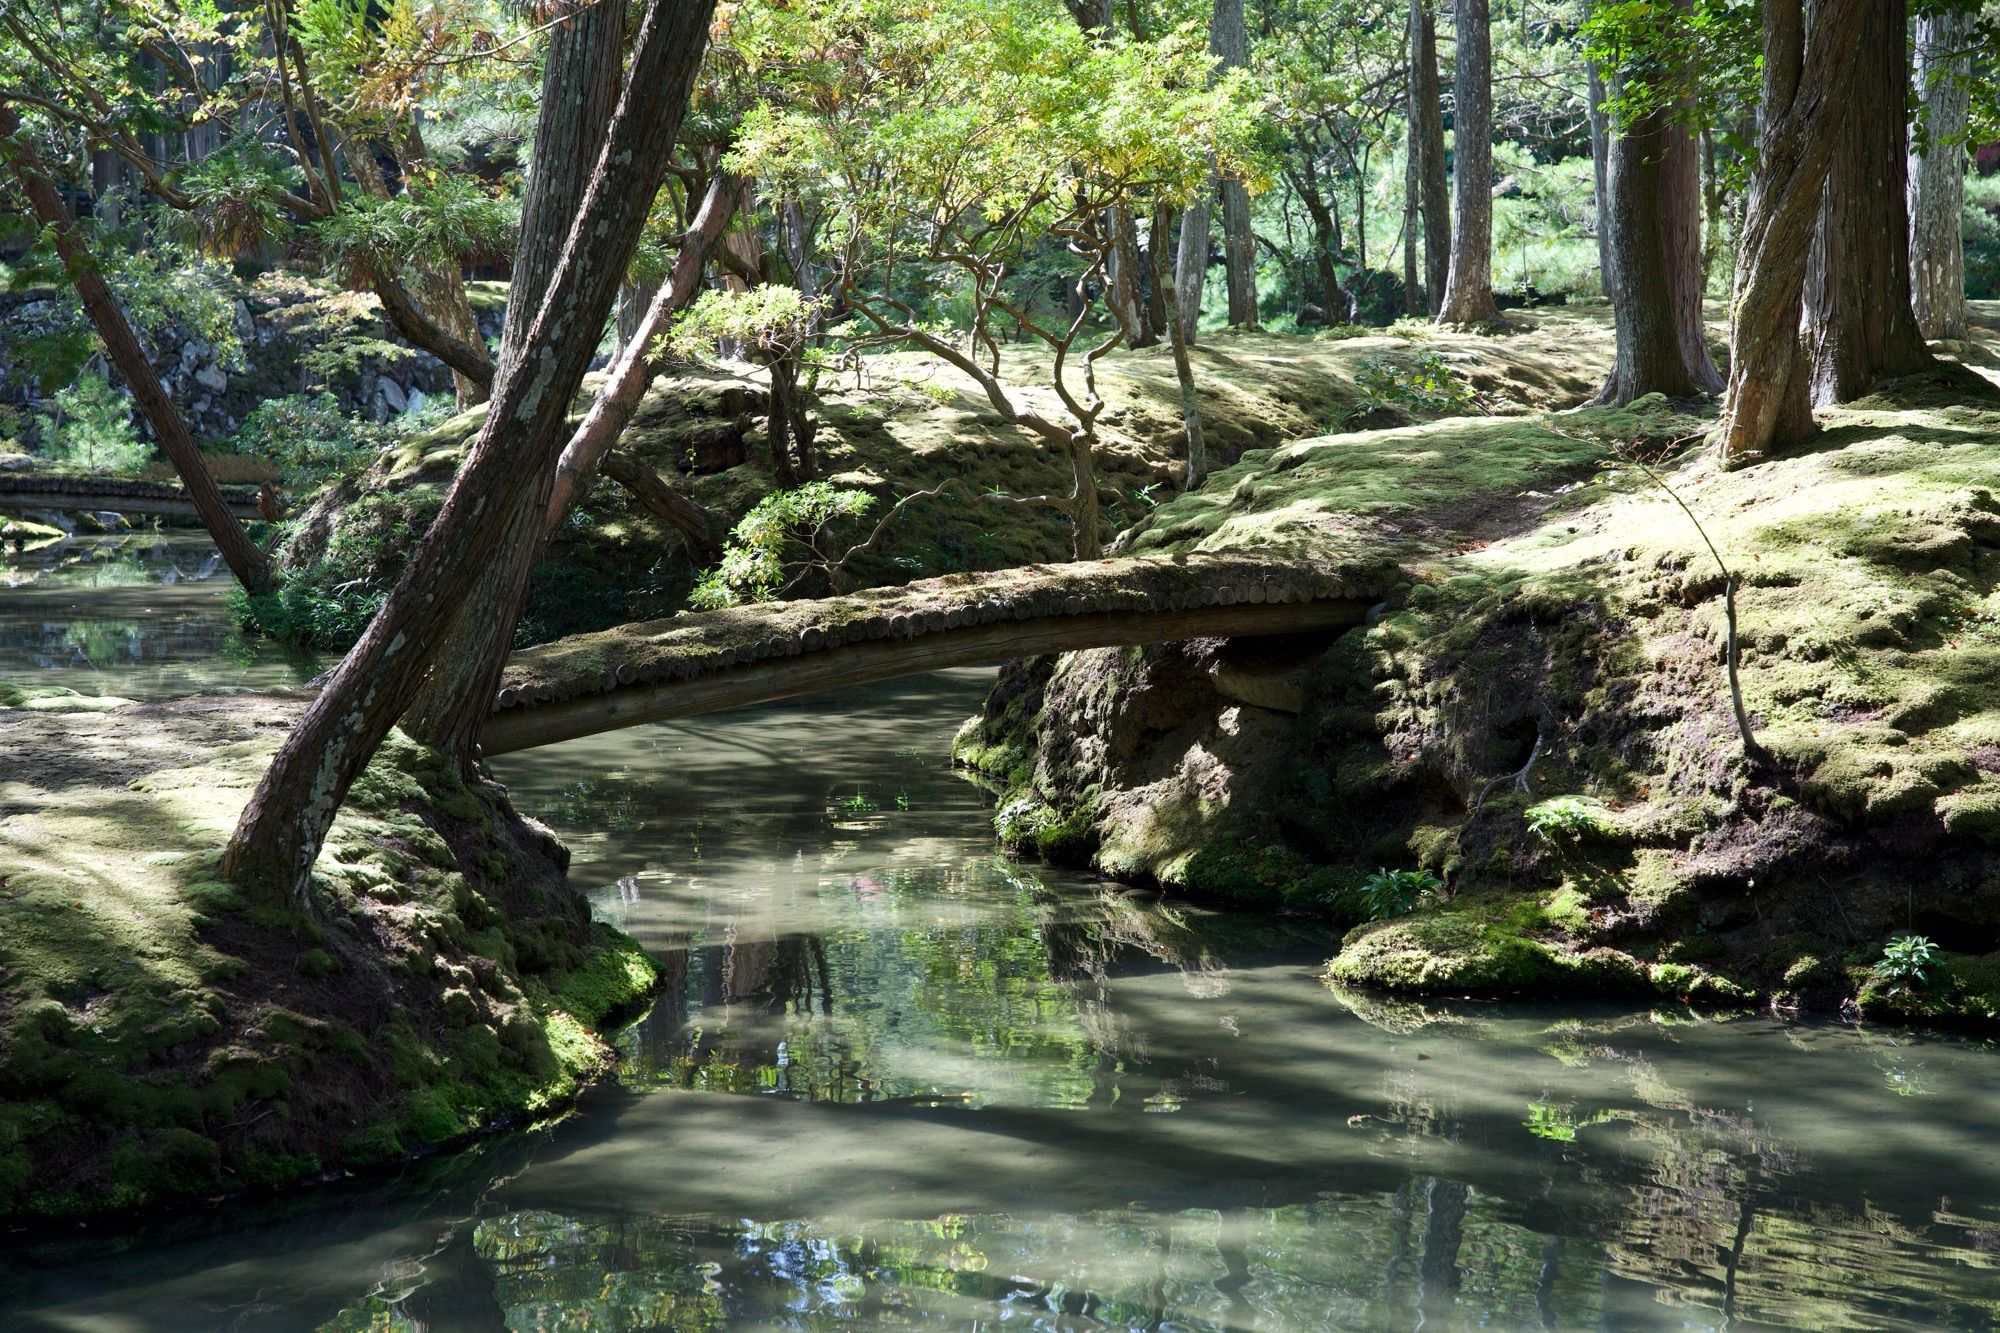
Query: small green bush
[(91, 428), (1905, 962), (1388, 893)]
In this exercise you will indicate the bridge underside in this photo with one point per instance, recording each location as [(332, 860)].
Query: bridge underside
[(712, 661), (34, 494)]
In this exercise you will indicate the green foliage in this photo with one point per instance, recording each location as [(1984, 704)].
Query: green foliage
[(1906, 961), (237, 198), (91, 428), (1423, 385), (773, 319), (1563, 819), (314, 441), (783, 535), (1391, 893), (442, 221)]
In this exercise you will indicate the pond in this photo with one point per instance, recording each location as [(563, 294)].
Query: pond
[(896, 1078)]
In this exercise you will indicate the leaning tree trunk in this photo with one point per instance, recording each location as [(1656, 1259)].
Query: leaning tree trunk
[(1860, 326), (1468, 290), (250, 565), (1427, 142), (1937, 174), (278, 837), (1805, 78)]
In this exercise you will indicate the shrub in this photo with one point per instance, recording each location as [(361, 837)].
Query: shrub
[(91, 428), (1905, 961), (1388, 893)]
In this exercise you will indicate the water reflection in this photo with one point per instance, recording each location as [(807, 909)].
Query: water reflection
[(139, 615), (895, 1080)]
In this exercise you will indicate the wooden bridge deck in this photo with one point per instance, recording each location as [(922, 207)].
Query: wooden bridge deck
[(30, 493), (710, 661)]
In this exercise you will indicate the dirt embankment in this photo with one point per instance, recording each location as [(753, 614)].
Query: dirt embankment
[(1535, 728)]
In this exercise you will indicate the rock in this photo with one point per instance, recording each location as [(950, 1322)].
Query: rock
[(415, 401), (212, 377)]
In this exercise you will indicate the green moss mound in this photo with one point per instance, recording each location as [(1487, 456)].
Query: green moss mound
[(164, 1036), (1556, 646)]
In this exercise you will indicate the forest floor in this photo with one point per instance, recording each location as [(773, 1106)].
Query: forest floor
[(1539, 719)]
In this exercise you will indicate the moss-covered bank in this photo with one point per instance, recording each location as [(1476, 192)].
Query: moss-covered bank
[(162, 1037), (1539, 717), (910, 424)]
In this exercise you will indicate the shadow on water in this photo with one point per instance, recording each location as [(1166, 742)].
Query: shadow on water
[(894, 1078)]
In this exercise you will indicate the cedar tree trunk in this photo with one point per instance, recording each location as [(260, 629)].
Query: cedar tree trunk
[(1805, 83), (1937, 175), (1860, 326), (1468, 290), (1427, 142), (278, 837)]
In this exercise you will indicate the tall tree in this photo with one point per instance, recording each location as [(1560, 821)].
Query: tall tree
[(515, 456), (1650, 233), (1227, 41), (249, 564), (1427, 147), (1468, 290), (1860, 325), (1937, 173), (1806, 70), (1239, 242)]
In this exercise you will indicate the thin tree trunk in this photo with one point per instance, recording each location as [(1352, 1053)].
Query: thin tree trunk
[(1229, 40), (1427, 135), (1191, 265), (250, 565), (1600, 158), (1805, 79), (699, 527), (278, 837), (1083, 506), (1937, 174), (1468, 291), (1197, 443), (1860, 325)]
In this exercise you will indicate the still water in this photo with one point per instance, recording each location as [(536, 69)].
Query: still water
[(897, 1080)]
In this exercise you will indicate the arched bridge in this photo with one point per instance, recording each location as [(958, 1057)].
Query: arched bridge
[(715, 660)]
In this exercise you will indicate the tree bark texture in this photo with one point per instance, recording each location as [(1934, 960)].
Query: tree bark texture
[(455, 700), (250, 565), (580, 86), (1805, 81), (1229, 40), (1649, 358), (1191, 265), (1937, 174), (1468, 291), (1126, 291), (1427, 143), (278, 837), (1197, 442), (1860, 326), (1653, 259)]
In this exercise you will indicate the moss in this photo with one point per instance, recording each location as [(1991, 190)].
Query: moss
[(1959, 990), (1478, 950), (183, 1037)]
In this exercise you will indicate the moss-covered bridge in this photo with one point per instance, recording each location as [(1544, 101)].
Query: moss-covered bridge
[(715, 660)]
